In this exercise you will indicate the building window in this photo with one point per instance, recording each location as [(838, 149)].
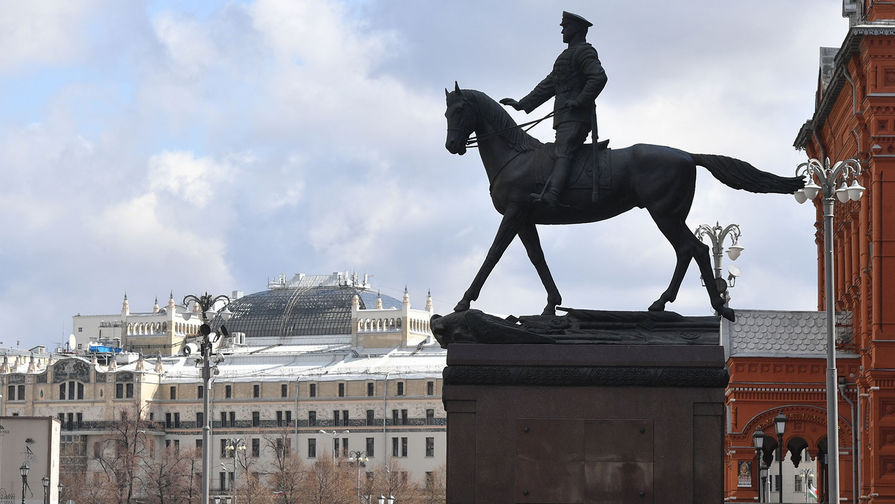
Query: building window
[(279, 418), (256, 447), (430, 388), (176, 446), (119, 391), (797, 483), (371, 388), (371, 446), (228, 391), (336, 417), (345, 418), (430, 417), (79, 418), (430, 446), (430, 480), (256, 418), (312, 418), (403, 446), (404, 417), (21, 392), (167, 420), (199, 443), (176, 420), (395, 442), (395, 417), (223, 419), (345, 447), (370, 417), (312, 448), (335, 447), (778, 483), (400, 388), (223, 448), (200, 420), (288, 417), (232, 419), (256, 390), (341, 390), (11, 393), (200, 392), (129, 390), (222, 480), (284, 390), (312, 390), (173, 393)]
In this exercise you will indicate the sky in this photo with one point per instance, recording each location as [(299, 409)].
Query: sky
[(160, 146)]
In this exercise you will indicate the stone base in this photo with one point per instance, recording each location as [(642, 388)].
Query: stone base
[(584, 423)]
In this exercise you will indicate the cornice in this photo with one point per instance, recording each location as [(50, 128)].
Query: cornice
[(849, 47)]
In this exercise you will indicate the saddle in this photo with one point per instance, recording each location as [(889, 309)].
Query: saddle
[(582, 174)]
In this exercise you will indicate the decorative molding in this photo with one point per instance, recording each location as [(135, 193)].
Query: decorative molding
[(594, 376)]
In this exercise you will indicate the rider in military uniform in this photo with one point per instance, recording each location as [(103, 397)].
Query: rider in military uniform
[(576, 81)]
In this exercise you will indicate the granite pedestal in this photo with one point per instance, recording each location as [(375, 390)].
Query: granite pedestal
[(584, 423)]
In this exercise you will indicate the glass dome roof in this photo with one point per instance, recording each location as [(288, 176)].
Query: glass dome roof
[(299, 311)]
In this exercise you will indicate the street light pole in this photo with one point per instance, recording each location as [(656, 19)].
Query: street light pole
[(716, 235), (758, 442), (234, 445), (23, 470), (358, 458), (333, 435), (829, 177), (780, 427), (206, 304)]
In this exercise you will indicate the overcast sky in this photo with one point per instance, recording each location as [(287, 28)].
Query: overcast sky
[(150, 147)]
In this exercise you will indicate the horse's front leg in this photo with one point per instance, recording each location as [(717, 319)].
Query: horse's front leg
[(507, 230), (528, 233)]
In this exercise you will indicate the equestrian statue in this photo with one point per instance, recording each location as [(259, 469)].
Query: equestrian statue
[(569, 183)]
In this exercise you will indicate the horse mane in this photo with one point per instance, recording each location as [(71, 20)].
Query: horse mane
[(506, 127)]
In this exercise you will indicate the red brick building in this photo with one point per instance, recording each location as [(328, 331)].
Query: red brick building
[(854, 118)]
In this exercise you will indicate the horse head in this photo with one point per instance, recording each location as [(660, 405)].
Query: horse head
[(461, 120)]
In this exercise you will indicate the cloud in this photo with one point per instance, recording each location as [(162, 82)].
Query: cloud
[(42, 33), (184, 175)]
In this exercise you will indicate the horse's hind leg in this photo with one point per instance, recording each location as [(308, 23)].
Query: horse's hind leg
[(528, 233), (686, 246)]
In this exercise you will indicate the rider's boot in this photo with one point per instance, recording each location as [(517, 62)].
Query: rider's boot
[(556, 183)]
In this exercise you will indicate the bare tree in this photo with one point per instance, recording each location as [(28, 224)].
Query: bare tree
[(433, 491), (166, 479), (392, 479), (287, 470), (77, 487), (123, 452), (329, 483)]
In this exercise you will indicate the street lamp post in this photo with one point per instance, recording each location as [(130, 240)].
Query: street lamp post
[(23, 470), (716, 235), (357, 458), (333, 435), (780, 427), (758, 441), (60, 487), (206, 303), (235, 445), (829, 177), (46, 483)]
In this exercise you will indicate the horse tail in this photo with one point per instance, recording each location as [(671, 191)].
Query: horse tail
[(742, 175)]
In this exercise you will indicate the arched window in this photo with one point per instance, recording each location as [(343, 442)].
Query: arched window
[(71, 390)]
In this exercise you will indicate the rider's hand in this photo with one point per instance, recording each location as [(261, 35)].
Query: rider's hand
[(512, 103)]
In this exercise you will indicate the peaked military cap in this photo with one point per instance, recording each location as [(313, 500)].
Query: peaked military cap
[(569, 18)]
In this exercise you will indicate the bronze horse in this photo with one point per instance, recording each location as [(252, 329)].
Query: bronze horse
[(660, 179)]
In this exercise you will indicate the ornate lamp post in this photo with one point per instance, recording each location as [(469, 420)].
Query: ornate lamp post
[(828, 177), (758, 441), (780, 427), (206, 304), (357, 458), (46, 483), (716, 235), (23, 470)]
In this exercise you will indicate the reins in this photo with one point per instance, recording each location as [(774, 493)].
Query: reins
[(472, 142)]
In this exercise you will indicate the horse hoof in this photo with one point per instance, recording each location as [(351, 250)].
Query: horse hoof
[(727, 313), (462, 306), (657, 306)]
